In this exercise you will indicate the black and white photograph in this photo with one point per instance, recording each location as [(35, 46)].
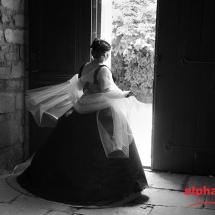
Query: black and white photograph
[(107, 107)]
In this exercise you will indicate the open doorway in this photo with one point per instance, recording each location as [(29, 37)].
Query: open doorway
[(129, 25)]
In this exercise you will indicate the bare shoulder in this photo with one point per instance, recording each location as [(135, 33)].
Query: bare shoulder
[(104, 72), (87, 68)]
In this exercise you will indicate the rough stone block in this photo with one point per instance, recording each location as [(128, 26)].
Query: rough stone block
[(7, 117), (14, 36), (5, 134), (6, 17), (12, 48), (14, 84), (16, 154), (19, 20), (14, 131), (2, 117), (19, 115), (5, 47), (9, 133), (7, 103), (11, 4), (21, 134), (2, 84), (11, 51), (20, 101), (10, 117), (18, 70), (2, 57), (5, 69), (11, 156), (11, 56), (1, 36)]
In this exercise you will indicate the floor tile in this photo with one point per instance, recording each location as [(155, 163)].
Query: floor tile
[(57, 213), (165, 180), (135, 210), (200, 181), (210, 198), (160, 210), (7, 194), (170, 198), (9, 209), (41, 203)]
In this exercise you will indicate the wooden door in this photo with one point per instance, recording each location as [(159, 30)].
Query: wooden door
[(59, 41), (184, 87)]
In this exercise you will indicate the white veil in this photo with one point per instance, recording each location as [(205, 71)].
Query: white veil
[(121, 113), (47, 104)]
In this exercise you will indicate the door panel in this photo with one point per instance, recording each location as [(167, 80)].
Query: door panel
[(59, 40), (184, 98)]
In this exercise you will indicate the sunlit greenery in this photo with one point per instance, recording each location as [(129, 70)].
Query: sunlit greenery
[(133, 45)]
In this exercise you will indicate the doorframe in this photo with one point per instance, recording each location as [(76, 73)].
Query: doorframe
[(96, 11), (156, 76)]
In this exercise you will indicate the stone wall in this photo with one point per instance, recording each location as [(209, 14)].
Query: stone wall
[(13, 78)]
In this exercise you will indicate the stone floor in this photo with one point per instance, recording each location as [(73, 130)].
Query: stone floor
[(165, 197)]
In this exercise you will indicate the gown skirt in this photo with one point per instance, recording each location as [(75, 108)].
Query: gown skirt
[(72, 167)]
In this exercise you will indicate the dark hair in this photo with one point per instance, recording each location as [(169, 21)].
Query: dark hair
[(99, 47)]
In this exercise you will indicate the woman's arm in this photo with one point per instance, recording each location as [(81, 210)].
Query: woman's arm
[(80, 84), (105, 78)]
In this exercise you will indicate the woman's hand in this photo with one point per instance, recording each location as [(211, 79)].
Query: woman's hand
[(69, 112), (129, 94)]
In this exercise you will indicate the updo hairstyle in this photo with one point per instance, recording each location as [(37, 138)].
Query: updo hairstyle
[(99, 48)]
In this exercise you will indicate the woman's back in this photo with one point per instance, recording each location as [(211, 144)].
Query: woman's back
[(95, 77), (89, 67)]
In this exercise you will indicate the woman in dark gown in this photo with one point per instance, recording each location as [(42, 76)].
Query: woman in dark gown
[(72, 166)]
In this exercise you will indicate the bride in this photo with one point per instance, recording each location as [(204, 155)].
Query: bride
[(91, 156)]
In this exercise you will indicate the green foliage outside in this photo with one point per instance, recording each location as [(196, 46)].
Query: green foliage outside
[(133, 44)]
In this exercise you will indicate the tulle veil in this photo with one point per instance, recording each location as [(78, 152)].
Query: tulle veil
[(126, 113)]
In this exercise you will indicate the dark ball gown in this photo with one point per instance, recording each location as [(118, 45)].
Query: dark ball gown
[(72, 167)]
